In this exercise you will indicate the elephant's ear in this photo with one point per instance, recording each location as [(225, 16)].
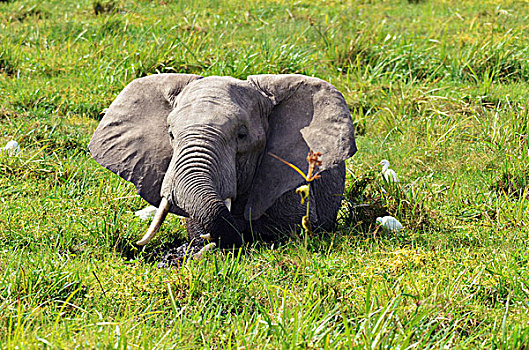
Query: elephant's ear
[(308, 113), (132, 139)]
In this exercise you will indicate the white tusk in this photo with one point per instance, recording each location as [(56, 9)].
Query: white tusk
[(227, 203), (159, 217), (207, 236)]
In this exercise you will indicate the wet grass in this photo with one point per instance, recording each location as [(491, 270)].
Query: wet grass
[(439, 88)]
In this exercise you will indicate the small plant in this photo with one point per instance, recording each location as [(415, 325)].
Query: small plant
[(304, 190)]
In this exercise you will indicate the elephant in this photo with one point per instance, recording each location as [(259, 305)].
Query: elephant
[(200, 147)]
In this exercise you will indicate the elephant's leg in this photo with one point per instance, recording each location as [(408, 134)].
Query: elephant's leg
[(327, 195)]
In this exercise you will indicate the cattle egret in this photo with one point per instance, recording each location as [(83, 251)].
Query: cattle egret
[(390, 223), (11, 147), (146, 213), (389, 174)]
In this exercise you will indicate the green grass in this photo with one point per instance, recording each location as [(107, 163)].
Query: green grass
[(439, 88)]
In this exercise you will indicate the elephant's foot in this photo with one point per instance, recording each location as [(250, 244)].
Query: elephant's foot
[(196, 249)]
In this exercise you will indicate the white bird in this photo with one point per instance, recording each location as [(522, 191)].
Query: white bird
[(146, 213), (11, 147), (390, 223), (389, 174)]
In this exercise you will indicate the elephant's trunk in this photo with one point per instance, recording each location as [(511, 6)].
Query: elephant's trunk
[(200, 178)]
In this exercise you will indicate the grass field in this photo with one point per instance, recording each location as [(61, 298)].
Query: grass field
[(439, 88)]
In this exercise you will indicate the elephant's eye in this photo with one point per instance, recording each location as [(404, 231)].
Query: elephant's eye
[(242, 133)]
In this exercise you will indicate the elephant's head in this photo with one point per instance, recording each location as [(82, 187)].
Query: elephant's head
[(191, 144)]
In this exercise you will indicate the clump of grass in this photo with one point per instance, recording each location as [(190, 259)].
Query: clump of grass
[(409, 204), (105, 7), (33, 11), (512, 183), (362, 203), (22, 167), (368, 196), (8, 64), (169, 65), (41, 281), (112, 26), (91, 109)]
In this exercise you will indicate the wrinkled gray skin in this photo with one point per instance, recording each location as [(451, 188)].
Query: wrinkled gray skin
[(197, 141)]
